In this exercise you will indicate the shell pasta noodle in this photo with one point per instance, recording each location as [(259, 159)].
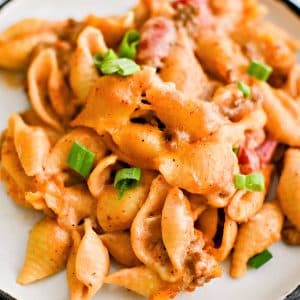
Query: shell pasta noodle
[(151, 144)]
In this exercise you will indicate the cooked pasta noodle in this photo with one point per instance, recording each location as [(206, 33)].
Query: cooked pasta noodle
[(151, 141), (47, 251)]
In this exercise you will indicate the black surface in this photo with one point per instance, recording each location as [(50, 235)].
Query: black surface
[(4, 296), (2, 3), (293, 4), (295, 295)]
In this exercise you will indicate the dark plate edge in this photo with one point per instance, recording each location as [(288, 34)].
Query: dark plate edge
[(4, 2), (294, 5)]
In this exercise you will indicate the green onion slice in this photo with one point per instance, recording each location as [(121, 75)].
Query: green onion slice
[(259, 70), (129, 44), (244, 88), (126, 179), (109, 67), (81, 159), (121, 66), (260, 259), (100, 58), (235, 150), (127, 67), (110, 55), (255, 182), (109, 64), (240, 181), (252, 182)]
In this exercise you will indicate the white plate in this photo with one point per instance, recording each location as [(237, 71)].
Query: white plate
[(272, 282)]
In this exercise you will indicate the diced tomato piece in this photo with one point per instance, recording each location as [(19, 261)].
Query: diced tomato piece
[(266, 150), (157, 36), (249, 160)]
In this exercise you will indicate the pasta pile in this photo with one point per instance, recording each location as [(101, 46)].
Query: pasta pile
[(152, 140)]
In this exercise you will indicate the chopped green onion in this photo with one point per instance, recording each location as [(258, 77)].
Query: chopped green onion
[(251, 182), (81, 159), (126, 179), (259, 70), (109, 64), (121, 66), (100, 58), (260, 259), (129, 44), (122, 189), (127, 67), (240, 181), (110, 54), (244, 88), (255, 182), (109, 67), (235, 150)]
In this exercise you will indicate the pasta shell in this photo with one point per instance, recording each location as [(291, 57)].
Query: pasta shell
[(32, 145), (234, 132), (292, 85), (36, 199), (185, 169), (177, 227), (146, 236), (77, 289), (15, 54), (47, 251), (57, 160), (27, 27), (88, 264), (119, 246), (15, 191), (208, 223), (221, 56), (255, 236), (140, 280), (288, 187), (230, 13), (198, 205), (101, 174), (70, 204), (112, 28), (268, 42), (45, 78), (182, 68), (92, 260), (245, 205), (196, 118), (145, 9), (114, 215), (14, 176), (230, 231), (279, 106), (83, 73), (119, 97), (139, 144), (31, 118)]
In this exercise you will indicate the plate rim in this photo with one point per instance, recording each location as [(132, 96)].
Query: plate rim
[(294, 7)]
